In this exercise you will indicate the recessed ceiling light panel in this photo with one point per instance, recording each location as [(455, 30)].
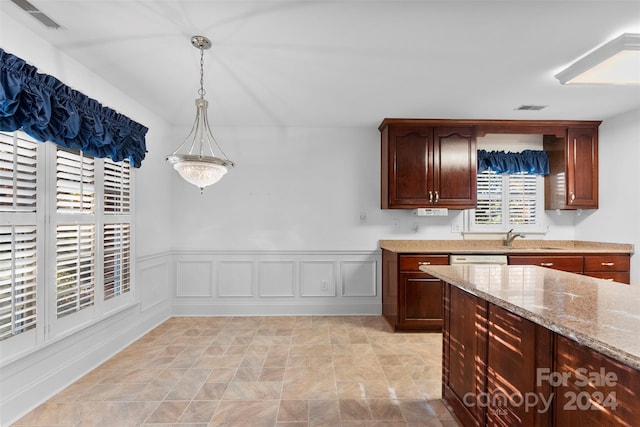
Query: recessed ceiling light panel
[(614, 63)]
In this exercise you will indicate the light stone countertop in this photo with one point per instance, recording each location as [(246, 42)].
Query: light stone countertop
[(602, 315), (498, 247)]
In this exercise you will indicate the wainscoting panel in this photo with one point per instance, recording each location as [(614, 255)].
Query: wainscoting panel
[(194, 279), (359, 278), (276, 279), (153, 280), (263, 283), (318, 279), (235, 278)]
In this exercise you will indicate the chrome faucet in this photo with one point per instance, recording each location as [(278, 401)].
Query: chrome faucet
[(511, 236)]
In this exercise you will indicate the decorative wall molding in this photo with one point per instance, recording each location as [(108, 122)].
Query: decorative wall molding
[(153, 281), (227, 283)]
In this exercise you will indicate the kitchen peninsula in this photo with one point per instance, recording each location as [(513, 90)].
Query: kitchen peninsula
[(526, 345)]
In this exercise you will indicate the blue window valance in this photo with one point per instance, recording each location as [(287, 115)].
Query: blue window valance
[(528, 161), (48, 110)]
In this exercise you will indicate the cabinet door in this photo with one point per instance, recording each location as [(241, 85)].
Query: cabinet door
[(517, 350), (454, 168), (420, 305), (582, 168), (465, 353), (599, 391), (410, 164)]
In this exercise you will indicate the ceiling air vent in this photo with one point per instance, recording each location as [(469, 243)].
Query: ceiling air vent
[(36, 13), (530, 107)]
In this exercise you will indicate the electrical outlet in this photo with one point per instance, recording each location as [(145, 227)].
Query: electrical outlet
[(456, 228), (396, 224)]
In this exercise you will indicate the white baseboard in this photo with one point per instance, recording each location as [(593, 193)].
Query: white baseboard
[(274, 309)]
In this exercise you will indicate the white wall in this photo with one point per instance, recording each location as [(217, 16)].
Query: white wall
[(304, 189), (618, 217)]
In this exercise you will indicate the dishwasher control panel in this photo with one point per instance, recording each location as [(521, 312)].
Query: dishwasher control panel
[(477, 259)]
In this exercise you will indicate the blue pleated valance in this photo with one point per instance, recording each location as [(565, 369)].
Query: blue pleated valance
[(527, 161), (48, 110)]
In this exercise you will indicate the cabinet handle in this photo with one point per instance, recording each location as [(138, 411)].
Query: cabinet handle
[(610, 279), (437, 197), (424, 263), (430, 197), (573, 197), (607, 264), (546, 264)]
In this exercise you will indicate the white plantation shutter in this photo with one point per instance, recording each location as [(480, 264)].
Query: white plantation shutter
[(489, 205), (522, 199), (117, 187), (75, 182), (19, 243), (18, 172), (18, 279), (76, 242), (75, 270), (117, 259), (117, 228)]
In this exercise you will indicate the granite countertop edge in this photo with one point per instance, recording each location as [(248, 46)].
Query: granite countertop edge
[(589, 341)]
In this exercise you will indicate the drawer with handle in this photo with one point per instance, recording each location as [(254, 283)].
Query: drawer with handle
[(593, 263), (413, 262), (571, 263)]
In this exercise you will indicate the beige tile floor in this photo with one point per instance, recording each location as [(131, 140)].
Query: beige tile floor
[(260, 371)]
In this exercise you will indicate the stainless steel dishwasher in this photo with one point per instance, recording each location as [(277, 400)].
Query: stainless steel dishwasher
[(477, 259)]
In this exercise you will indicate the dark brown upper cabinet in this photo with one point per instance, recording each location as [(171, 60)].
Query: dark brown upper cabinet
[(431, 163), (428, 166), (573, 181)]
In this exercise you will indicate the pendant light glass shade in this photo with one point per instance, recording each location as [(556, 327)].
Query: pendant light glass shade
[(198, 164)]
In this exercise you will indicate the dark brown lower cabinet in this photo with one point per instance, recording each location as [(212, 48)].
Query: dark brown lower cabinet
[(411, 299), (500, 369), (517, 348), (464, 347), (596, 390)]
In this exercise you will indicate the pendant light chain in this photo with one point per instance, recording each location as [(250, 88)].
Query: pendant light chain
[(202, 92)]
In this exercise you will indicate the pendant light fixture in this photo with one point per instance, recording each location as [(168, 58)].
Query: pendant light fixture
[(198, 164)]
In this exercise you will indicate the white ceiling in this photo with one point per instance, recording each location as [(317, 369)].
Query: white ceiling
[(344, 63)]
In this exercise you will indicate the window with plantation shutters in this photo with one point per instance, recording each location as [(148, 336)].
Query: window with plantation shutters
[(18, 234), (507, 201), (66, 227)]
